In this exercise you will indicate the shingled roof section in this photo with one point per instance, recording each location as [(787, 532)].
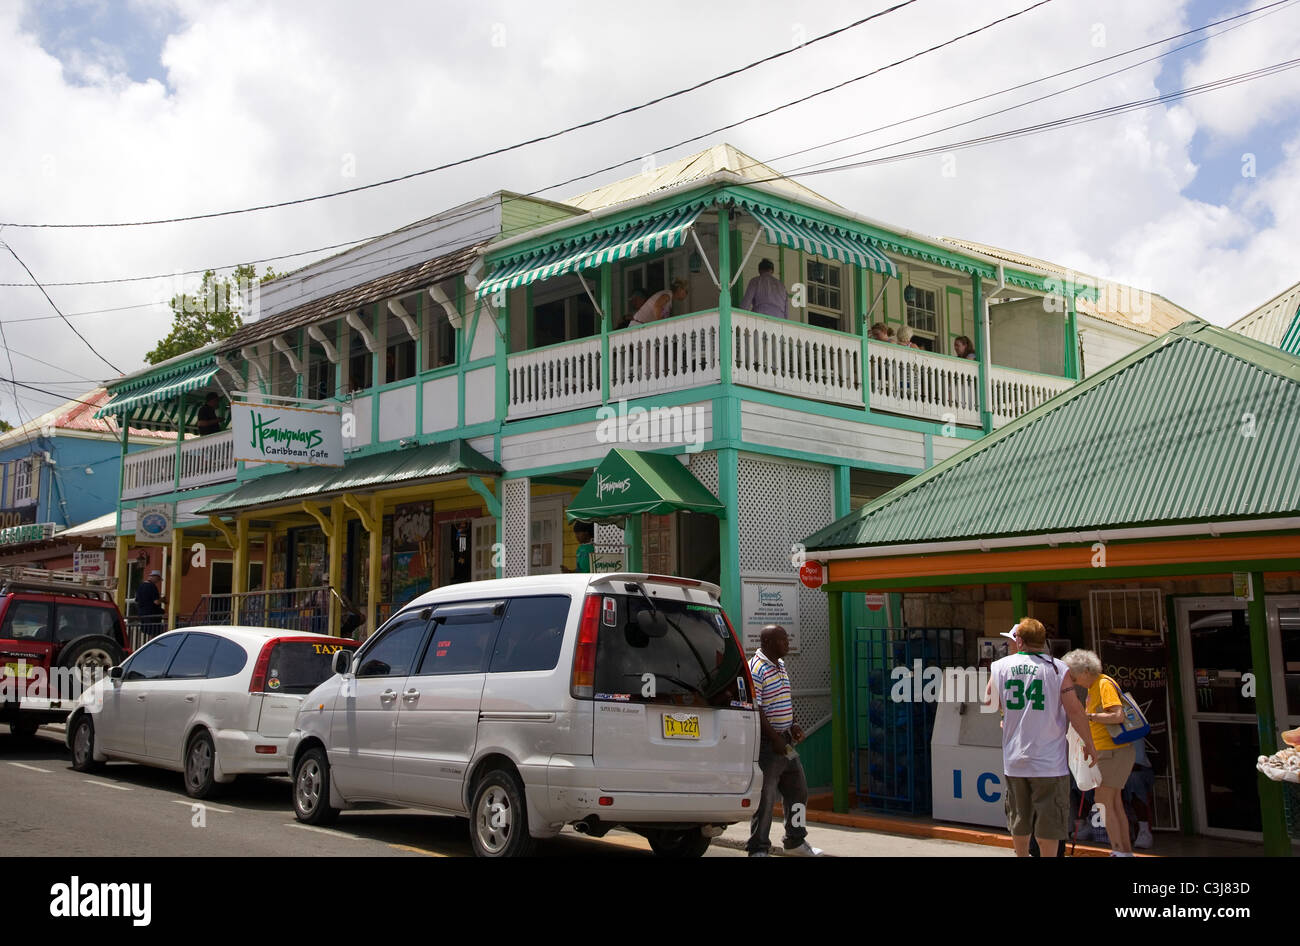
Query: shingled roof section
[(419, 276), (1199, 425)]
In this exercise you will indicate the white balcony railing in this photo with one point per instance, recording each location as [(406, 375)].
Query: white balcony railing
[(558, 378), (668, 355), (797, 359), (1012, 392), (204, 461), (921, 384)]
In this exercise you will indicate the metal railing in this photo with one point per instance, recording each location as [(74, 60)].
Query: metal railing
[(293, 609)]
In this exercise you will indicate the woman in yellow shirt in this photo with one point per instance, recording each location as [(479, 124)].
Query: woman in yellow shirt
[(1105, 708)]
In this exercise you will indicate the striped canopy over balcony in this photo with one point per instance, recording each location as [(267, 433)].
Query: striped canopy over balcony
[(803, 234), (154, 400), (662, 232)]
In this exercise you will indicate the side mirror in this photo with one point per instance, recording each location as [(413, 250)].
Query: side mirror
[(115, 674), (342, 662)]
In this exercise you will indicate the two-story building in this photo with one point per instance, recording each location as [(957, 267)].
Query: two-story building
[(492, 383)]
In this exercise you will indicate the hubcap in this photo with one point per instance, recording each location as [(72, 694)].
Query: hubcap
[(93, 660), (309, 786), (494, 819), (81, 745), (200, 762)]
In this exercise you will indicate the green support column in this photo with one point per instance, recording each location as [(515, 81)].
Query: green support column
[(982, 349), (729, 531), (606, 296), (839, 706), (1071, 359), (1276, 842), (632, 536), (1019, 605), (462, 340), (1178, 720), (724, 295)]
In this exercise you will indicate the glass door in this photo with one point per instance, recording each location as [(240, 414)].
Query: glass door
[(1219, 706), (1284, 639)]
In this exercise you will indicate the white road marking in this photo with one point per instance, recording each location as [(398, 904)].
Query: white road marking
[(207, 807), (30, 768), (91, 781), (312, 827)]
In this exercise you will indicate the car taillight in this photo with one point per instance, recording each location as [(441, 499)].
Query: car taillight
[(258, 683), (584, 655)]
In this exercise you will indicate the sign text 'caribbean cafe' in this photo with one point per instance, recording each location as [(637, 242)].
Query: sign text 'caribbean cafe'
[(266, 433)]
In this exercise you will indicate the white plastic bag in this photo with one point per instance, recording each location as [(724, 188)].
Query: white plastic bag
[(1086, 776)]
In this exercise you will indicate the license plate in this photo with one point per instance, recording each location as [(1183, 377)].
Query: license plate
[(12, 669), (681, 726)]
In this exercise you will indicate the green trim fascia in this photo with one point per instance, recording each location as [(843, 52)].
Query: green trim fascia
[(491, 501), (985, 359), (929, 450), (1178, 720), (729, 530), (1071, 357), (840, 412), (1067, 574), (817, 458)]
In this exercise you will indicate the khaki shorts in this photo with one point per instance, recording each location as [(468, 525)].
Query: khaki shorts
[(1116, 765), (1046, 798)]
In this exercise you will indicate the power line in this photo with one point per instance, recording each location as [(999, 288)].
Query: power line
[(54, 366), (486, 154), (61, 397), (56, 309)]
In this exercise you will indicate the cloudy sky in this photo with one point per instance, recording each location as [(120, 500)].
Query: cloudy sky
[(140, 109)]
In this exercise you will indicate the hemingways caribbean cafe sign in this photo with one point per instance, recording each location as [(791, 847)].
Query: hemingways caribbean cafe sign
[(266, 433)]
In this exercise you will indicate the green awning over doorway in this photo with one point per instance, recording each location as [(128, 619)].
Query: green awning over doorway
[(628, 483)]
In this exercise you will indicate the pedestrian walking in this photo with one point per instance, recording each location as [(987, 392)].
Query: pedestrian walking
[(149, 602), (1035, 693), (1105, 707), (782, 771)]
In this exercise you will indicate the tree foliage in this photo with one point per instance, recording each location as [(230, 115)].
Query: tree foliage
[(211, 314)]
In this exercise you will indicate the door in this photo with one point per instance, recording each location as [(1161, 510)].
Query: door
[(1284, 637), (223, 574), (174, 699), (437, 722), (1219, 706), (120, 725), (363, 731), (546, 536), (483, 546)]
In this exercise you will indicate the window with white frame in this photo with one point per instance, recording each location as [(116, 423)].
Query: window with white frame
[(823, 284), (24, 490), (923, 317)]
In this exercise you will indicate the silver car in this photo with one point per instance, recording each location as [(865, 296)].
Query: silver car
[(532, 703)]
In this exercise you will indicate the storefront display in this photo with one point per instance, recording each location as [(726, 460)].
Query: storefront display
[(413, 552)]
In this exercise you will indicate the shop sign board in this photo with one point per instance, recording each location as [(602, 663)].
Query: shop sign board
[(875, 601), (607, 561), (769, 601), (270, 433), (90, 563), (812, 575), (153, 522), (31, 532)]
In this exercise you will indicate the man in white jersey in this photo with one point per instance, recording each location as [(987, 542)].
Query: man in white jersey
[(1035, 693)]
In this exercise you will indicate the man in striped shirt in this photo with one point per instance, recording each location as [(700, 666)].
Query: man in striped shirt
[(782, 771)]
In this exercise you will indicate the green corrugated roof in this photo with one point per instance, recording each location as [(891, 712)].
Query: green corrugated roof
[(1200, 424), (366, 473)]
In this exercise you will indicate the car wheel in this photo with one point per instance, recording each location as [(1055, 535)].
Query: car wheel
[(24, 729), (83, 745), (498, 824), (311, 788), (200, 766), (92, 656), (688, 843)]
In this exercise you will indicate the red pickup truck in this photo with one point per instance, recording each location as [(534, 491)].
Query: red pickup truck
[(57, 630)]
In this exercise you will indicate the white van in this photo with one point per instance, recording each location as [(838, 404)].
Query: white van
[(532, 703)]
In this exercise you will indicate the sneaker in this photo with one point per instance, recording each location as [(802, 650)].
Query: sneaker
[(1084, 832), (804, 850), (1144, 839), (759, 854)]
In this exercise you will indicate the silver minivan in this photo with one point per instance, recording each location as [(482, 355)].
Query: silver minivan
[(532, 703)]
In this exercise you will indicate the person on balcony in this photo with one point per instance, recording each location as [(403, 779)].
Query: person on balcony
[(879, 332), (963, 348), (766, 294), (660, 305), (209, 422), (905, 337), (634, 304)]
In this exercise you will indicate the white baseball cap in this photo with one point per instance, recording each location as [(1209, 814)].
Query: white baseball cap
[(1011, 634)]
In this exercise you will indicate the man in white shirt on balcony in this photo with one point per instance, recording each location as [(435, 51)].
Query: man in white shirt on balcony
[(766, 294), (660, 305)]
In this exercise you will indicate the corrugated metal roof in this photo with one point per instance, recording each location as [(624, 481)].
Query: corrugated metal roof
[(1198, 425), (78, 414), (413, 278), (366, 473), (697, 166), (1269, 323), (1133, 308)]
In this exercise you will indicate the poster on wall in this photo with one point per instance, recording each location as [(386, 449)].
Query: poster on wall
[(279, 562), (1141, 667), (766, 602), (413, 551), (271, 433), (386, 563)]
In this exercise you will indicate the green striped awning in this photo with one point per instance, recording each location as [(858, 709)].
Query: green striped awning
[(1291, 337), (802, 234), (664, 232), (150, 402)]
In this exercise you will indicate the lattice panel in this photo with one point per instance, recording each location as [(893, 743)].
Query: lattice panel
[(704, 467), (609, 538), (515, 514), (781, 504)]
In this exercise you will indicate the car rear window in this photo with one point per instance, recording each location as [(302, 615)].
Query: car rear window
[(696, 663), (531, 634), (74, 621), (301, 666)]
